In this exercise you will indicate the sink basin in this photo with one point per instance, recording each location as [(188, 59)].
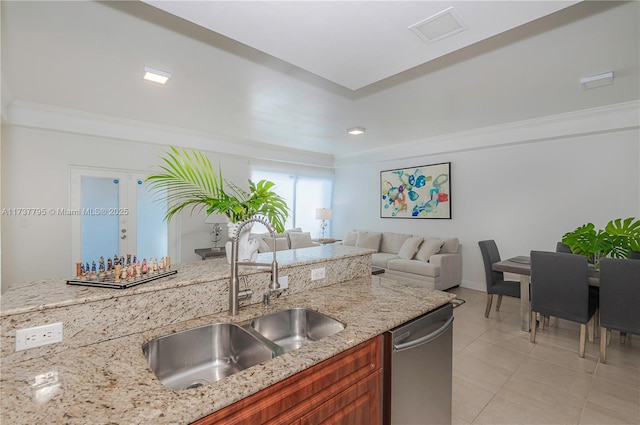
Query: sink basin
[(293, 328), (203, 355)]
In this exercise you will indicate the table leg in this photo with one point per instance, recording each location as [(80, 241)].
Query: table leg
[(525, 304)]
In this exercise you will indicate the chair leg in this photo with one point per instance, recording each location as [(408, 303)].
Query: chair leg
[(499, 302), (608, 336), (623, 338), (489, 301), (542, 322), (591, 328), (583, 339), (532, 335), (603, 345), (546, 320)]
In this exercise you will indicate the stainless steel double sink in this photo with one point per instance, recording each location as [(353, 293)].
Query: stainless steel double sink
[(206, 354)]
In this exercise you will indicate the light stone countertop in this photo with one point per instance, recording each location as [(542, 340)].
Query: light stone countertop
[(23, 297), (110, 382)]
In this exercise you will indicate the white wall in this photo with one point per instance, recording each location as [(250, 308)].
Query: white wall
[(525, 196), (36, 174)]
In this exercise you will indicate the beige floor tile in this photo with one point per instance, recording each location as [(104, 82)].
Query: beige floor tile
[(462, 338), (515, 340), (495, 354), (555, 376), (619, 374), (552, 402), (623, 400), (550, 384), (456, 420), (468, 399), (500, 411), (594, 414), (480, 373), (565, 358), (627, 354)]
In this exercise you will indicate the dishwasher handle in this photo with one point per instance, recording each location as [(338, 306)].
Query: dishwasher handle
[(433, 335)]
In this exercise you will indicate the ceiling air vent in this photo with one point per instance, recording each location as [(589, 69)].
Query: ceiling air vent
[(439, 26)]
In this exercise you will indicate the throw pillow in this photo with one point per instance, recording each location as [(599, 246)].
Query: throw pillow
[(350, 239), (451, 246), (428, 248), (409, 248), (282, 244), (369, 240), (300, 240)]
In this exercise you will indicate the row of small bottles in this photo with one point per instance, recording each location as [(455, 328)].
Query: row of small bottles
[(119, 269)]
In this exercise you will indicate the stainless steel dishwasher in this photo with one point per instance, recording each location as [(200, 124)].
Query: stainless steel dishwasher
[(417, 370)]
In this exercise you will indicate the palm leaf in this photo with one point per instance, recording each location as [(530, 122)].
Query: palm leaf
[(188, 180)]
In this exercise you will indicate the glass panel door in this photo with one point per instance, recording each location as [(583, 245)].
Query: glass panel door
[(100, 196), (117, 216)]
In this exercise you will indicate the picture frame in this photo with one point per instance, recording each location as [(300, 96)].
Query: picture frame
[(416, 192)]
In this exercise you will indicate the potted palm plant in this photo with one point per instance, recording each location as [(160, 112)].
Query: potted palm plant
[(616, 240), (189, 181)]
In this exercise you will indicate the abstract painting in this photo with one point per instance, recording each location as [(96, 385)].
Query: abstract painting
[(416, 192)]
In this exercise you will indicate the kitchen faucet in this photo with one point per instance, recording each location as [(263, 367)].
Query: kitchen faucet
[(235, 295)]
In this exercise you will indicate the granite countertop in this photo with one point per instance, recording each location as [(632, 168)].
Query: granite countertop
[(23, 297), (110, 382)]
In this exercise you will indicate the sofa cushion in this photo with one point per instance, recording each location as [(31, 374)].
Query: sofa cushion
[(429, 247), (409, 248), (265, 244), (369, 240), (300, 240), (451, 246), (262, 245), (415, 267), (381, 259), (392, 242), (350, 239)]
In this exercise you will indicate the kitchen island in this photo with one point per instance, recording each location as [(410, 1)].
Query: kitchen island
[(109, 381)]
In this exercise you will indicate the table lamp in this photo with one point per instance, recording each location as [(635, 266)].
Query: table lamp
[(323, 214), (216, 220)]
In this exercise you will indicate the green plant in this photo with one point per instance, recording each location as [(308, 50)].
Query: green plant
[(615, 240), (190, 181)]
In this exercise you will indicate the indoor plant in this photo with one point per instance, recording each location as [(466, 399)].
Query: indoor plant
[(615, 240), (189, 180)]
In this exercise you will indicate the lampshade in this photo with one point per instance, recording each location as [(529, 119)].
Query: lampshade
[(216, 218), (323, 214)]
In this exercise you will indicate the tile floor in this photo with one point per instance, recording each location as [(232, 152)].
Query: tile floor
[(499, 377)]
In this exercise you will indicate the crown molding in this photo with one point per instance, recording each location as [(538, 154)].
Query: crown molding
[(611, 118), (46, 117)]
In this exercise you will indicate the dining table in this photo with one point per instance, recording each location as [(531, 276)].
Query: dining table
[(521, 265)]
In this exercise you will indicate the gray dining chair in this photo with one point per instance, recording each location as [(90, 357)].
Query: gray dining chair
[(560, 288), (619, 298), (563, 247), (495, 280), (634, 255)]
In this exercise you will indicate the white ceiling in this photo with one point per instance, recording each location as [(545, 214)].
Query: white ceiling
[(354, 43), (89, 56)]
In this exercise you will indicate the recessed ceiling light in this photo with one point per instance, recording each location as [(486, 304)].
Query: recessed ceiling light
[(356, 131), (155, 75)]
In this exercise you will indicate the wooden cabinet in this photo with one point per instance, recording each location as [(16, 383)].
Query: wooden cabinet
[(345, 389)]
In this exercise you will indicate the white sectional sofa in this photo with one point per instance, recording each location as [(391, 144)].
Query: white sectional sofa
[(430, 262), (289, 239)]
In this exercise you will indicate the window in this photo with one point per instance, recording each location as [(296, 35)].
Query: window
[(304, 193)]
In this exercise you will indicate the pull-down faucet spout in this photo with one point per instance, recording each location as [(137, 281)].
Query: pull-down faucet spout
[(234, 285)]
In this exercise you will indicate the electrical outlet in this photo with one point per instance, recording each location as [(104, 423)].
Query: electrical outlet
[(38, 336), (317, 273), (283, 281)]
